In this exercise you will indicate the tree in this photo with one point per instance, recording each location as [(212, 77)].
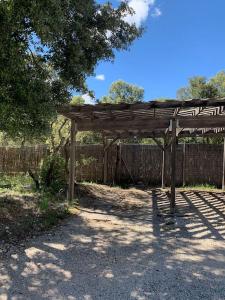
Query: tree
[(183, 93), (77, 100), (198, 88), (218, 81), (123, 92), (47, 49)]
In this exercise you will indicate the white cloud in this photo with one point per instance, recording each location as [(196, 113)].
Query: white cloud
[(88, 100), (156, 13), (100, 77), (141, 8)]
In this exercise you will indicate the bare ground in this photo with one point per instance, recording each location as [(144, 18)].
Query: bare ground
[(121, 244), (21, 217)]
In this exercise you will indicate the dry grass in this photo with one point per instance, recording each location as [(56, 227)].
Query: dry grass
[(96, 196), (23, 215)]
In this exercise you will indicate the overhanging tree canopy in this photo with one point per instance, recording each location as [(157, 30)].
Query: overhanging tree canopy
[(48, 48)]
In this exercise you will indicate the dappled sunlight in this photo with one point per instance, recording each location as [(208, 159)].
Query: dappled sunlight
[(136, 254), (198, 215), (34, 252), (57, 246)]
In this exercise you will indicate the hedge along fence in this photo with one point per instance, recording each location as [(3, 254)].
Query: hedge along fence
[(196, 163)]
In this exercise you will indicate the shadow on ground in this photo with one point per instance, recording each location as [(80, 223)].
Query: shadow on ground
[(109, 252)]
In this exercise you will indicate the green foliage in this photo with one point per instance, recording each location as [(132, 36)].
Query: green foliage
[(51, 208), (44, 203), (199, 87), (183, 93), (77, 100), (60, 133), (16, 183), (47, 49), (218, 81), (163, 99), (123, 92), (204, 187), (53, 174), (85, 161), (89, 137)]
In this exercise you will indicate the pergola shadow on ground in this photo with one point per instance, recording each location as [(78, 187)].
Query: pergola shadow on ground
[(128, 253), (160, 120), (199, 214)]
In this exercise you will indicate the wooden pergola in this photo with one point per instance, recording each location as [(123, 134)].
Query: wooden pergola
[(159, 120)]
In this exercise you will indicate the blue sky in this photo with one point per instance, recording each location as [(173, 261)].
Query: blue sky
[(183, 38)]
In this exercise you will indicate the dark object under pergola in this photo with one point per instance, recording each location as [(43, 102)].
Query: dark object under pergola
[(166, 120)]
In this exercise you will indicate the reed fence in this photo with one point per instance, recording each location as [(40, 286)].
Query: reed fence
[(196, 163)]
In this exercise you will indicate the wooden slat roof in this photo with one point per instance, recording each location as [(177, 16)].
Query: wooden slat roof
[(150, 119)]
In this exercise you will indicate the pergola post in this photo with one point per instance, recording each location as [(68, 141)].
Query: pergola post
[(73, 132), (223, 180), (184, 164), (163, 163), (173, 167)]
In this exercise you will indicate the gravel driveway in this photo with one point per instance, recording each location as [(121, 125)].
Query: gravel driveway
[(122, 245)]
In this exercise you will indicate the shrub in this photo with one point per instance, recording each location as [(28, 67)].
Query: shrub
[(53, 174)]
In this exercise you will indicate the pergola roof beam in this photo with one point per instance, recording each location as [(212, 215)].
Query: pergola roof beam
[(212, 102), (135, 124)]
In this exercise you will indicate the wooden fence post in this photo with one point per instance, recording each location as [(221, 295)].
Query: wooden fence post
[(105, 161), (73, 132)]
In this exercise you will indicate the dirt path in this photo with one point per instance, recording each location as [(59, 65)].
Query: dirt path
[(121, 246)]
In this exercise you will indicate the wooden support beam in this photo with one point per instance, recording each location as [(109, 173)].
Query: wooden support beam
[(109, 144), (163, 163), (186, 133), (184, 165), (101, 125), (158, 143), (120, 162), (73, 132), (202, 122), (223, 180), (151, 125), (173, 167), (135, 133)]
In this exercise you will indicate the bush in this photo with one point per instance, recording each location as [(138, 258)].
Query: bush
[(53, 174)]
